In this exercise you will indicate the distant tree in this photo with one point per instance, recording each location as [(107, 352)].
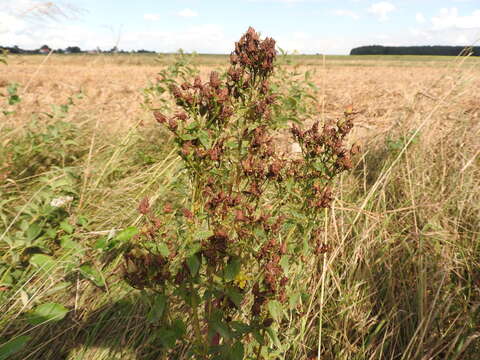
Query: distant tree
[(73, 49), (143, 51), (416, 50), (45, 49)]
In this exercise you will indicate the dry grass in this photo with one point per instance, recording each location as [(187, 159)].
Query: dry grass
[(402, 279), (382, 91)]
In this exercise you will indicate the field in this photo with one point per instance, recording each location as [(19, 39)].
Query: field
[(401, 278)]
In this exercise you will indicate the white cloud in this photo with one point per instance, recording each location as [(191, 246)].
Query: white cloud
[(10, 23), (39, 11), (450, 19), (381, 10), (420, 18), (303, 42), (284, 1), (209, 38), (346, 13), (20, 7), (187, 13), (420, 34), (151, 17), (448, 27)]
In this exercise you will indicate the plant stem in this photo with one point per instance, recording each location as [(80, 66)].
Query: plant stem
[(259, 351), (196, 324), (322, 294)]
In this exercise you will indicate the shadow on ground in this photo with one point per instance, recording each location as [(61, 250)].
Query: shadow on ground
[(118, 330)]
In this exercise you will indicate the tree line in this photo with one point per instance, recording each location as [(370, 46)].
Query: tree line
[(362, 50), (416, 50), (45, 49)]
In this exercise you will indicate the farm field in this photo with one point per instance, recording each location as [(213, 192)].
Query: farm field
[(214, 59), (400, 278)]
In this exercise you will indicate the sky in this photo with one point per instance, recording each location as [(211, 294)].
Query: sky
[(212, 26)]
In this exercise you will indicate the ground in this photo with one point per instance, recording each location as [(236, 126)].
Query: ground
[(401, 280)]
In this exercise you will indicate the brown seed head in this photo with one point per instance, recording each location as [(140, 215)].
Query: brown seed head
[(181, 116), (172, 124), (144, 206), (161, 119), (214, 80)]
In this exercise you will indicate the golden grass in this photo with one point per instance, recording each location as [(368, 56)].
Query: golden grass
[(382, 91), (402, 279)]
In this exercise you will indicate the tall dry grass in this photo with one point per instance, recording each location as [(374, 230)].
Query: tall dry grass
[(402, 279)]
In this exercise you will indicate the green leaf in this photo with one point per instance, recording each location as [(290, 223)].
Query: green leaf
[(45, 262), (202, 234), (13, 99), (305, 297), (49, 312), (285, 263), (204, 138), (179, 327), (222, 328), (33, 231), (12, 89), (6, 279), (235, 296), (65, 226), (67, 243), (193, 248), (193, 125), (187, 137), (156, 312), (237, 352), (291, 102), (319, 166), (163, 249), (50, 233), (240, 328), (13, 346), (232, 269), (126, 234), (297, 215), (102, 243), (258, 336), (259, 233), (275, 309), (232, 144), (189, 296), (82, 221), (60, 287), (273, 335), (92, 274), (293, 300), (193, 264), (167, 337)]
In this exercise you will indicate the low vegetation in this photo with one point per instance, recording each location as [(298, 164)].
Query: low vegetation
[(210, 236)]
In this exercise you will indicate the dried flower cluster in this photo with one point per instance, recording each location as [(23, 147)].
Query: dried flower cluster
[(244, 192)]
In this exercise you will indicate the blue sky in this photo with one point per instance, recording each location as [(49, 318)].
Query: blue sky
[(211, 26)]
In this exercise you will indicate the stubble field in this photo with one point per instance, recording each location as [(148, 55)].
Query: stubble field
[(401, 279)]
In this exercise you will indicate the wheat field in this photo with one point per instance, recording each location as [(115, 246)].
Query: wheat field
[(402, 279)]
